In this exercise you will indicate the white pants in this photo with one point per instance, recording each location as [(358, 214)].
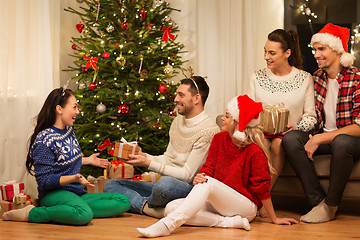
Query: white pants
[(207, 204)]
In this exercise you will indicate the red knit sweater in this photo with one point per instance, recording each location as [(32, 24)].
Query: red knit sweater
[(246, 169)]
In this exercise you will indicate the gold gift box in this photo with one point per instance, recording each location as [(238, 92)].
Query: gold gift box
[(120, 170), (274, 118), (150, 177), (98, 182)]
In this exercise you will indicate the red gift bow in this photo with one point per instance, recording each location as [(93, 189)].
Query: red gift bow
[(107, 143), (91, 62), (167, 33), (116, 164), (137, 177)]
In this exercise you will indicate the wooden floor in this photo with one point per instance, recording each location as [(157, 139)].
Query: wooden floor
[(346, 226)]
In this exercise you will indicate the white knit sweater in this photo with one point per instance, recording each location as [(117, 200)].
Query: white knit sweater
[(295, 91), (188, 147)]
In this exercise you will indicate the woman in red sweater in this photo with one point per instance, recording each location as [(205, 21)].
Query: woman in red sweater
[(233, 183)]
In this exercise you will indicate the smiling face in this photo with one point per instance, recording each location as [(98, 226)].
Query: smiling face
[(184, 100), (325, 56), (66, 115), (228, 123), (274, 56)]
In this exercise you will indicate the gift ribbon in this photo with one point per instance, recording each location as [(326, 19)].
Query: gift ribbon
[(137, 177), (15, 189), (105, 144), (91, 62), (123, 140), (116, 164), (274, 110), (96, 181), (167, 33)]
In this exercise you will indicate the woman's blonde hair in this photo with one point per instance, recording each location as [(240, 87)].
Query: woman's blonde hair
[(253, 135)]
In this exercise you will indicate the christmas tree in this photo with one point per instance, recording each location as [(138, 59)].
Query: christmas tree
[(125, 56)]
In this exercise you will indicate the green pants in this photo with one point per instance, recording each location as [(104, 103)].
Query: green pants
[(65, 207)]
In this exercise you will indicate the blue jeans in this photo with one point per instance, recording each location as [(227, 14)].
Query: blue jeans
[(156, 194)]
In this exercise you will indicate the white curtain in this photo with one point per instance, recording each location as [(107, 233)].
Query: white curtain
[(29, 68), (225, 42)]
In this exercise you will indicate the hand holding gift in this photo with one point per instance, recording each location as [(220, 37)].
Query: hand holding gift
[(124, 148), (139, 160)]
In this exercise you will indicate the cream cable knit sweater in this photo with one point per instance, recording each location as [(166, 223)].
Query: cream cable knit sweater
[(295, 90), (188, 147)]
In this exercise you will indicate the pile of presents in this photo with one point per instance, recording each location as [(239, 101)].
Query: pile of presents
[(12, 197), (117, 169)]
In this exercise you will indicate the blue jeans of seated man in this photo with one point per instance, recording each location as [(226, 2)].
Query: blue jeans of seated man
[(156, 194)]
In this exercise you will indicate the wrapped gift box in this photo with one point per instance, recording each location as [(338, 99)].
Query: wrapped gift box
[(98, 182), (274, 118), (150, 176), (119, 169), (122, 150), (11, 205), (9, 189)]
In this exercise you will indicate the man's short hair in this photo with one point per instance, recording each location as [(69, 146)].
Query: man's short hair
[(200, 86)]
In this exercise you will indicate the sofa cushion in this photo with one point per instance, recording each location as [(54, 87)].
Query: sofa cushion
[(322, 166)]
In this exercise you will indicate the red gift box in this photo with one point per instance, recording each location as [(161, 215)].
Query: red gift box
[(9, 190)]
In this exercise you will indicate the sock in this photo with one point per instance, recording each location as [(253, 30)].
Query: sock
[(153, 212), (20, 215), (320, 213), (158, 229), (234, 222)]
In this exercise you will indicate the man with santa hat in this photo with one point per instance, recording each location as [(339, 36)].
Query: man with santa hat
[(337, 103)]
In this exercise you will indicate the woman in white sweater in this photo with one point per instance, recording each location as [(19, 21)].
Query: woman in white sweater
[(283, 81)]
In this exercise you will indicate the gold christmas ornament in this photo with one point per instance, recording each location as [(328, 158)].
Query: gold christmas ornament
[(168, 69), (121, 60), (85, 32), (110, 28), (81, 54)]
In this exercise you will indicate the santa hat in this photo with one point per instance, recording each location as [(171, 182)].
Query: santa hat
[(245, 111), (336, 38)]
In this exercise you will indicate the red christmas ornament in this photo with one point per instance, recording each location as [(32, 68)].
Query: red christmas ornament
[(156, 126), (73, 46), (92, 86), (163, 88), (124, 25), (106, 55), (144, 23), (123, 108), (142, 13), (80, 27), (172, 111)]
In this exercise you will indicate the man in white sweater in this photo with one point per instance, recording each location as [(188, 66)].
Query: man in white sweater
[(190, 133)]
